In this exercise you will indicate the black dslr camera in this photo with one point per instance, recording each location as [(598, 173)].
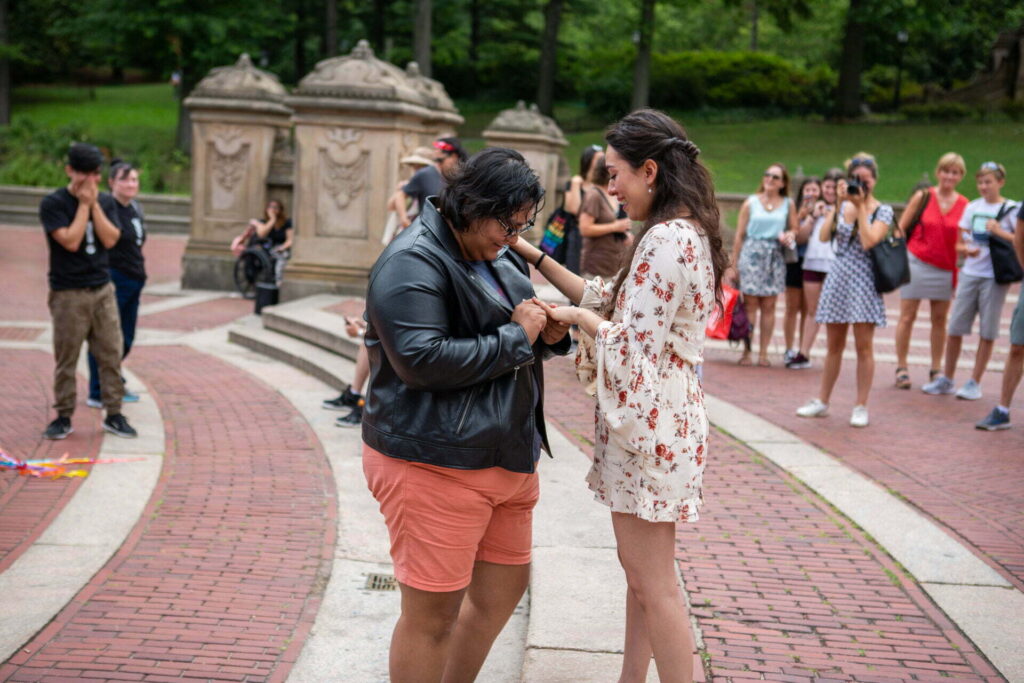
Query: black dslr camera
[(854, 186)]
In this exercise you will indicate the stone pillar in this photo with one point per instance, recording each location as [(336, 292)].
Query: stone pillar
[(355, 116), (539, 139), (238, 113)]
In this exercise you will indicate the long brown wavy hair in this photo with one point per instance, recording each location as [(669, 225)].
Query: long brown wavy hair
[(682, 185)]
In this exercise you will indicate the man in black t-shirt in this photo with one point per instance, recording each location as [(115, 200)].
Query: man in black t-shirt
[(81, 299), (429, 180)]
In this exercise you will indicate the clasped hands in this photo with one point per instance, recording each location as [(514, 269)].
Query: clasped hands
[(541, 319)]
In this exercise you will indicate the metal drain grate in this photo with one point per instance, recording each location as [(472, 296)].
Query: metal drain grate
[(381, 582)]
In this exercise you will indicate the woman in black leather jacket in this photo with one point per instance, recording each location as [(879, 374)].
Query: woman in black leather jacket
[(453, 425)]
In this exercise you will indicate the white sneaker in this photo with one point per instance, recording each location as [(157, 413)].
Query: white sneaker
[(938, 386), (970, 391), (813, 408), (93, 403), (859, 417)]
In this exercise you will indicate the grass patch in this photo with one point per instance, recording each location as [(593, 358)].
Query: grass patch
[(738, 153), (138, 122)]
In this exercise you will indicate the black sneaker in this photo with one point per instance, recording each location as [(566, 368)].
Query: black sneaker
[(347, 399), (58, 429), (353, 419), (118, 426), (798, 362)]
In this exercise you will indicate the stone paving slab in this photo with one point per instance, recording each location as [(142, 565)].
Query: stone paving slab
[(223, 573)]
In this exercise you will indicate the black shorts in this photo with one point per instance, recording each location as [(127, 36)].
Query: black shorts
[(795, 274)]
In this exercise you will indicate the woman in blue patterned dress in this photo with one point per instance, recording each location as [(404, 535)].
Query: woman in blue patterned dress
[(766, 224), (848, 296)]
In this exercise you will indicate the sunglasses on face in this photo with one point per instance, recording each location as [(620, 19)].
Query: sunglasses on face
[(514, 230), (773, 176)]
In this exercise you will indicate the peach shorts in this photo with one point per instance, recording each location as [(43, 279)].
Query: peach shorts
[(442, 520)]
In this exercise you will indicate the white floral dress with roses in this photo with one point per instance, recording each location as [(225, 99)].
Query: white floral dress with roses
[(652, 428)]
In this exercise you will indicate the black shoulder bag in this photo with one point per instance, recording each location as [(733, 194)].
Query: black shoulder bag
[(889, 260), (1005, 265)]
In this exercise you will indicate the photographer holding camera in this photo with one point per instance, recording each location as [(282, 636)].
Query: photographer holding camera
[(848, 296)]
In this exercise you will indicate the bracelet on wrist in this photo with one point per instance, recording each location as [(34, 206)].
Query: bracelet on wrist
[(540, 260)]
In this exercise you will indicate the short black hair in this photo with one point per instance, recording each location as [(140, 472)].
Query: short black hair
[(119, 168), (84, 158), (457, 148), (495, 183)]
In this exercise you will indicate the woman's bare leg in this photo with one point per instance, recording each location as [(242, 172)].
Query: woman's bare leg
[(490, 600), (940, 316), (422, 636), (863, 339), (647, 552), (812, 293), (836, 333)]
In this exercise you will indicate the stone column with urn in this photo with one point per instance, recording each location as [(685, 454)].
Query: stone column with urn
[(239, 118), (354, 117), (539, 139)]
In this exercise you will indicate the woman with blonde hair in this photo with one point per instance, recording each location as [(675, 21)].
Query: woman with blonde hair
[(931, 250), (766, 224), (848, 297)]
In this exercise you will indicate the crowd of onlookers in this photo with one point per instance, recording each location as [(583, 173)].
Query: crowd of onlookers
[(805, 246)]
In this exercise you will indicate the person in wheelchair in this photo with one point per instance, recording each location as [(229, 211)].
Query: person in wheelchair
[(263, 249)]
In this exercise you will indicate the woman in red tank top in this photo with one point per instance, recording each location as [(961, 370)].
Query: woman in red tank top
[(932, 256)]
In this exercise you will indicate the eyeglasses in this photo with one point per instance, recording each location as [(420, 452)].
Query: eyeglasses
[(867, 163), (991, 166), (773, 176), (596, 148), (515, 230)]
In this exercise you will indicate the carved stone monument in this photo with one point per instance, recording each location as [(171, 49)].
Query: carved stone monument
[(238, 117), (539, 139), (355, 116)]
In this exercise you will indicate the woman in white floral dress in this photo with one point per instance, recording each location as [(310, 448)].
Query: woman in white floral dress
[(643, 337)]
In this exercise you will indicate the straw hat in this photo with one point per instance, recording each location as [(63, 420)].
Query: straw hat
[(421, 156)]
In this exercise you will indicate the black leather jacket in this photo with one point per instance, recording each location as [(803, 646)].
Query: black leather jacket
[(450, 373)]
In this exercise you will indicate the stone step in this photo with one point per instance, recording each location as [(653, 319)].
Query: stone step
[(313, 360), (307, 320)]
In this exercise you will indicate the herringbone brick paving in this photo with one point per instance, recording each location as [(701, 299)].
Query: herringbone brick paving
[(783, 588), (924, 448), (28, 505), (222, 576)]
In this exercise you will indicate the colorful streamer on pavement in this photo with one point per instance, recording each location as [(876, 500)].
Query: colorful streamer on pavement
[(54, 469)]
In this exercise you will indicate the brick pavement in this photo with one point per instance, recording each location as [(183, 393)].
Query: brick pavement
[(222, 575), (784, 588), (28, 505), (198, 316), (24, 262), (923, 448)]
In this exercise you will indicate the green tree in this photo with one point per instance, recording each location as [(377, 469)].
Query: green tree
[(549, 57), (5, 68), (642, 65)]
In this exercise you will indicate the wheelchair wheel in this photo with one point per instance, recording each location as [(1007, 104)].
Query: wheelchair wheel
[(254, 265)]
